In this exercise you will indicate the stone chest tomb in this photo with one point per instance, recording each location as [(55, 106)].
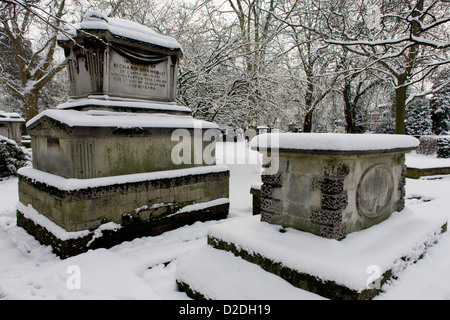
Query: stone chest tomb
[(103, 162), (332, 184)]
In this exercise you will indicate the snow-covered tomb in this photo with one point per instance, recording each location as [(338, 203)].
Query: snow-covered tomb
[(332, 223), (11, 126), (104, 166), (332, 184)]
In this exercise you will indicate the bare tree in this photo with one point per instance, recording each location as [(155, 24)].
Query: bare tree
[(310, 63), (229, 71), (355, 81), (35, 69), (407, 40)]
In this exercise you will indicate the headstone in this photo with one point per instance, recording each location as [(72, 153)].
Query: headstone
[(120, 159)]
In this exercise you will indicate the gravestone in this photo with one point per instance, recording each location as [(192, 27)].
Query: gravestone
[(120, 159)]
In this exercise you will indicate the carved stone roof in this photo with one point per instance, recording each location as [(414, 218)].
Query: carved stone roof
[(118, 31)]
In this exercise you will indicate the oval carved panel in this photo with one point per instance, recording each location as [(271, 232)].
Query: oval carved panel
[(375, 189)]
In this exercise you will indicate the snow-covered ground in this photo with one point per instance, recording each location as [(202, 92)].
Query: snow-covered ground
[(145, 268)]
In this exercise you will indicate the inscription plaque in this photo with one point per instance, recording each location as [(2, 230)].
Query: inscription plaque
[(138, 79)]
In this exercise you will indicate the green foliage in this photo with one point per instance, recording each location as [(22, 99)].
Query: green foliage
[(418, 117), (12, 157), (443, 147), (440, 105)]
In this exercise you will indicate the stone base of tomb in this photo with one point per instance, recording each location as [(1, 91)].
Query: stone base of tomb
[(416, 173), (353, 268), (74, 243), (75, 215)]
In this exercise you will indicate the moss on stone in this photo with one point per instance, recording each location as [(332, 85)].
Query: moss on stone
[(416, 173), (328, 289), (131, 228)]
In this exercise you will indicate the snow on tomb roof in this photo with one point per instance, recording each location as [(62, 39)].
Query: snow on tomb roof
[(124, 120), (10, 117), (73, 184), (334, 143), (119, 28)]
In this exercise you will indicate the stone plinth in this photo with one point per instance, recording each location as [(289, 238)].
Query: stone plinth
[(80, 204), (332, 184), (354, 268), (137, 204), (93, 144)]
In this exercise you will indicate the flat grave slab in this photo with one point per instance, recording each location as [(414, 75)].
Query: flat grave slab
[(233, 278), (353, 268)]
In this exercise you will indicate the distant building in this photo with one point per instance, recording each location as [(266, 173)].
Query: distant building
[(11, 126)]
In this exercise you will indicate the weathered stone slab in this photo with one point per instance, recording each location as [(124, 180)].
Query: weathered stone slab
[(416, 173), (353, 268), (66, 244), (121, 105)]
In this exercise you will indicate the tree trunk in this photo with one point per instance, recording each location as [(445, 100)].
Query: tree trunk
[(400, 106), (307, 125), (401, 90), (349, 110), (31, 104)]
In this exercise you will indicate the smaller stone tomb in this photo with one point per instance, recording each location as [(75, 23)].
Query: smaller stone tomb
[(11, 125), (332, 184)]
